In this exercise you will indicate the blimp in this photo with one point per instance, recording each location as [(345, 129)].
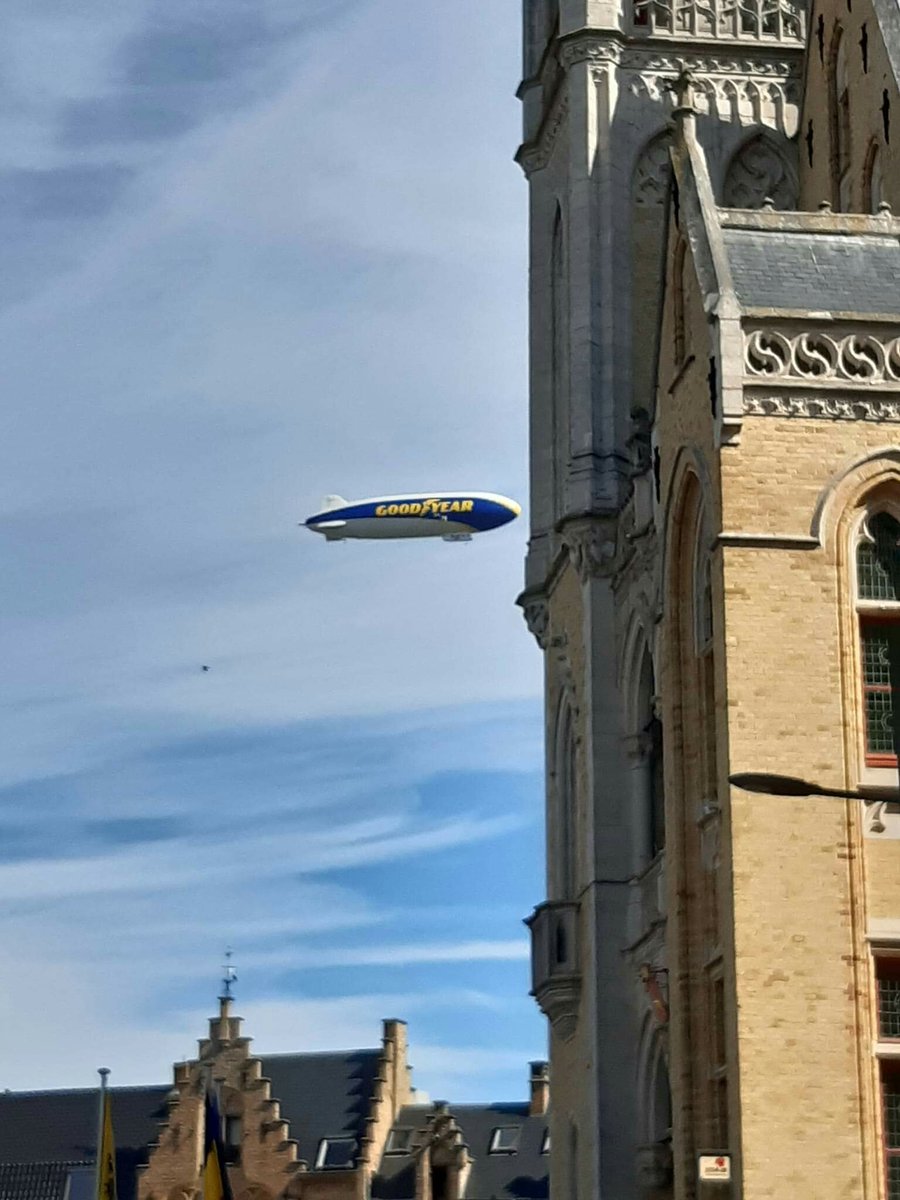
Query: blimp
[(453, 516)]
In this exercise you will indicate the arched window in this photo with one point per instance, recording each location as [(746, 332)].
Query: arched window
[(566, 801), (652, 783), (839, 105), (878, 608)]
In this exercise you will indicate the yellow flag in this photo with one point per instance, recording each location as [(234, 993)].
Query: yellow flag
[(106, 1173), (216, 1184)]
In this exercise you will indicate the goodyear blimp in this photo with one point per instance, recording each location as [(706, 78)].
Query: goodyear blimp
[(453, 516)]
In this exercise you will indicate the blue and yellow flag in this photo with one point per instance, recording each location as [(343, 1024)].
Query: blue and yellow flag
[(106, 1157), (215, 1173)]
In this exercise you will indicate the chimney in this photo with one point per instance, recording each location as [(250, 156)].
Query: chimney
[(539, 1101)]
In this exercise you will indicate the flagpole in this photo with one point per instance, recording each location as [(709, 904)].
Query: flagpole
[(103, 1072)]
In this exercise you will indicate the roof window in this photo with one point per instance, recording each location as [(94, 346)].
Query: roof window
[(336, 1154), (504, 1140), (399, 1141)]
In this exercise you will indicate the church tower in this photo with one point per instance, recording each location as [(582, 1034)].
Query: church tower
[(713, 576), (598, 100)]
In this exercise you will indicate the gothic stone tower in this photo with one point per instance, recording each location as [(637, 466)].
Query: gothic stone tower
[(597, 98)]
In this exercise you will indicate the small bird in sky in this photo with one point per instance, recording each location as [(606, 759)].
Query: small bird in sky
[(204, 667)]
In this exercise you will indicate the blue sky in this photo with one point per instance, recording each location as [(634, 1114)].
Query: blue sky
[(253, 252)]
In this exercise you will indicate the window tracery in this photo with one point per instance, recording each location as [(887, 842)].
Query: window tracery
[(763, 20), (759, 172)]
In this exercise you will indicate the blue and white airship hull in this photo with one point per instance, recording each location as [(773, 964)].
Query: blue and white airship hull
[(454, 516)]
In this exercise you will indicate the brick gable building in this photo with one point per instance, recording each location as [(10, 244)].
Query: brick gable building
[(344, 1125)]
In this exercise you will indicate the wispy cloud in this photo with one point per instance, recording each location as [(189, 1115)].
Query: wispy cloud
[(376, 956), (233, 278)]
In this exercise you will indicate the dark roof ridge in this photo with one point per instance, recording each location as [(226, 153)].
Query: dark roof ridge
[(319, 1053), (51, 1162), (87, 1091)]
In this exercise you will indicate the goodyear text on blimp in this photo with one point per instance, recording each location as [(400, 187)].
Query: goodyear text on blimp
[(425, 508)]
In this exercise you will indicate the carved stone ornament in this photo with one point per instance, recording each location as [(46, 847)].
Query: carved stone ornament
[(651, 59), (591, 549), (640, 451), (537, 618), (536, 155), (856, 361), (600, 52)]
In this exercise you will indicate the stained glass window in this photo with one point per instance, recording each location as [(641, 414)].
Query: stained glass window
[(878, 587)]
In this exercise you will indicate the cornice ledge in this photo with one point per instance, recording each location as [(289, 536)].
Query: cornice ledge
[(776, 62), (766, 541), (600, 48)]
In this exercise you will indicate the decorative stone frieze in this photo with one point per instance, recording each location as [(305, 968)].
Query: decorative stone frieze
[(831, 408), (857, 361)]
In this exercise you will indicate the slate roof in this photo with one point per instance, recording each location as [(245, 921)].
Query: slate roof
[(822, 272), (46, 1130), (34, 1181), (520, 1175), (322, 1095)]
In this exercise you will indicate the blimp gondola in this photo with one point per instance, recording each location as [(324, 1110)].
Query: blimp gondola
[(453, 516)]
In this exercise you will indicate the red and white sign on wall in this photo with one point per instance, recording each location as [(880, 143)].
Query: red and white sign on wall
[(714, 1168)]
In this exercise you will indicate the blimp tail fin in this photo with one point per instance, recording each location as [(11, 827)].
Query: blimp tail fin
[(330, 502)]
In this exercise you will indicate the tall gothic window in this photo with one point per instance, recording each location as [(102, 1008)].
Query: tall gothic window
[(840, 122), (878, 606), (566, 803), (559, 351)]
